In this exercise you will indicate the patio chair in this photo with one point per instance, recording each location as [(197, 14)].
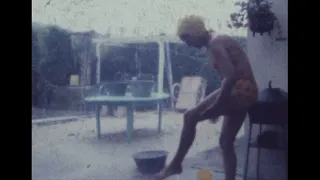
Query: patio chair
[(191, 91), (89, 91)]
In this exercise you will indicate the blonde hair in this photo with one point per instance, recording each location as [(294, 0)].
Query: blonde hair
[(191, 25)]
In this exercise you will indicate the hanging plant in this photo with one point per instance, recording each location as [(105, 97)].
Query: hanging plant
[(257, 15)]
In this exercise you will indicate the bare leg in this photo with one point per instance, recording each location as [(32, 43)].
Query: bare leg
[(191, 118), (230, 129)]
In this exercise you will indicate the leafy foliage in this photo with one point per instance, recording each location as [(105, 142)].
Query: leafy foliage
[(252, 11), (248, 9)]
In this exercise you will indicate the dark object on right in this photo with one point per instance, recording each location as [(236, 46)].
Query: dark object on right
[(267, 139), (271, 109), (273, 95)]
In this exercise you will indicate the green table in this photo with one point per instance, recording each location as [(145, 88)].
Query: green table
[(128, 101)]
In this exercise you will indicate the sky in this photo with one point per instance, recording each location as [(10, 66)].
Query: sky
[(130, 18)]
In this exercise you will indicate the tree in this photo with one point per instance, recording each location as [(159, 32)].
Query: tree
[(83, 54), (59, 56)]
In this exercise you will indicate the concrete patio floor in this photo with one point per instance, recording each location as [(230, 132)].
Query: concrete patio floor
[(71, 151)]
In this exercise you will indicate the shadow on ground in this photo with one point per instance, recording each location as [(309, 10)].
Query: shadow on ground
[(272, 162)]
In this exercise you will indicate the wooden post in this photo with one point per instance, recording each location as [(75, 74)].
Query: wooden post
[(169, 72), (161, 62)]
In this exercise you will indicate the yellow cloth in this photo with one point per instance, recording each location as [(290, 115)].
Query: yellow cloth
[(204, 174), (74, 80), (245, 93)]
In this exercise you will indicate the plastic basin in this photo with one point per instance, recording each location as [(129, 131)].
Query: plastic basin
[(141, 88), (115, 88), (150, 162)]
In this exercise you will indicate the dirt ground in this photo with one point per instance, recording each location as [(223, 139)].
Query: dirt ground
[(71, 151)]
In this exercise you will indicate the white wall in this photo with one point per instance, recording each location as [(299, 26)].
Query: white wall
[(269, 60)]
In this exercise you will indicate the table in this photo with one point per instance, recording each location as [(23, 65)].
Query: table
[(128, 101)]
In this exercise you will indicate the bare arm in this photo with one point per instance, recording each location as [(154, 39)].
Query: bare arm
[(226, 70)]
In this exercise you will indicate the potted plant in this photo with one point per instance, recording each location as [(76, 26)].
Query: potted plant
[(117, 87), (257, 15)]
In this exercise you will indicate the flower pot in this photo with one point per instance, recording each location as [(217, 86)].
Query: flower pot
[(141, 88), (261, 22), (114, 88)]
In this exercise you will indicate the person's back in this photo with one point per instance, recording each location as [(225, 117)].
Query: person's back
[(237, 56)]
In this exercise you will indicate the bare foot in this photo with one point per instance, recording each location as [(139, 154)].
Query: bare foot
[(169, 171)]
